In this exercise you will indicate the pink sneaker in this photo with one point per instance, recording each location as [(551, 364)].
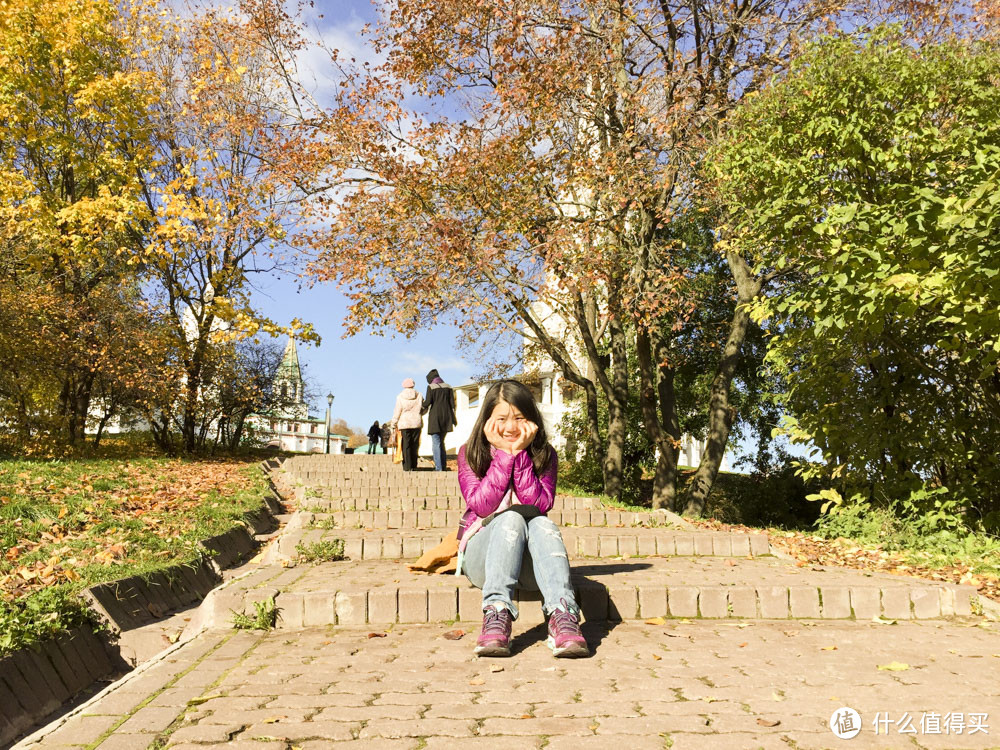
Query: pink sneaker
[(565, 638), (494, 640)]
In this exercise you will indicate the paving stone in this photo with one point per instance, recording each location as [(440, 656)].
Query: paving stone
[(83, 730), (392, 728), (652, 601), (206, 733), (835, 602), (926, 603), (713, 603), (682, 601), (442, 604), (896, 603), (351, 608), (743, 601), (803, 602), (412, 605), (866, 602), (773, 602), (319, 609), (119, 741), (150, 719), (538, 726), (296, 731)]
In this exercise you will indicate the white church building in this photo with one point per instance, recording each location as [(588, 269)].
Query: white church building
[(291, 428)]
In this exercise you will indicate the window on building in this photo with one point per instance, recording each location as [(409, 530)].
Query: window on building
[(274, 427), (313, 427), (284, 390)]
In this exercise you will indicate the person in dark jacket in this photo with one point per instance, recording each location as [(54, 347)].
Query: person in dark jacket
[(374, 435), (386, 437), (439, 405)]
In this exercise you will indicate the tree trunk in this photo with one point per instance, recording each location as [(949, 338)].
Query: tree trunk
[(617, 396), (721, 414), (665, 431)]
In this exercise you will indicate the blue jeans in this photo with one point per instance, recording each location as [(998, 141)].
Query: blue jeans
[(440, 457), (512, 550)]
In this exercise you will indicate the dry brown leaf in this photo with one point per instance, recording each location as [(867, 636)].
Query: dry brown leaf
[(477, 681), (377, 635), (655, 621), (768, 722), (454, 635)]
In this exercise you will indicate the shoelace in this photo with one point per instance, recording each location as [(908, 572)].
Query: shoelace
[(495, 622), (564, 620)]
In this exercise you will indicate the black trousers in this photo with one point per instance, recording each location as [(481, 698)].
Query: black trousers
[(411, 441), (372, 444)]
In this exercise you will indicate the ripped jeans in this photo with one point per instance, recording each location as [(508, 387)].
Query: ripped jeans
[(513, 550)]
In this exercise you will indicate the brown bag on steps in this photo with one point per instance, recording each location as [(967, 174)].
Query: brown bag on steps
[(441, 559)]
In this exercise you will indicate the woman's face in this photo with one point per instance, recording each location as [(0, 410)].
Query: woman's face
[(508, 420)]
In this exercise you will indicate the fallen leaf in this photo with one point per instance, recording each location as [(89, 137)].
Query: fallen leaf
[(377, 635), (790, 633), (274, 719), (496, 668), (776, 697), (743, 645), (828, 648), (768, 722), (655, 621), (477, 681), (894, 666), (730, 562), (657, 657), (454, 635), (525, 716), (879, 620)]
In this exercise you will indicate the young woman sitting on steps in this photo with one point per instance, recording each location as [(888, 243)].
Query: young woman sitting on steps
[(507, 475)]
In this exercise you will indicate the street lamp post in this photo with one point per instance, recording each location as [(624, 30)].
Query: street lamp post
[(329, 406)]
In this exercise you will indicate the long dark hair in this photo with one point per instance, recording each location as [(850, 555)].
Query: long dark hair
[(477, 448)]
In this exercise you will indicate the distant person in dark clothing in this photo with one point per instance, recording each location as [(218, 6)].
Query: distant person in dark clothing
[(374, 435), (386, 436), (439, 405)]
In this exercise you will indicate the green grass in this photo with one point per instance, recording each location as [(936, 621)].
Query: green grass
[(265, 616), (327, 550), (72, 523)]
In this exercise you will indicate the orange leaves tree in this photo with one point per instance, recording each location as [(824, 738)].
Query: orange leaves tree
[(537, 180)]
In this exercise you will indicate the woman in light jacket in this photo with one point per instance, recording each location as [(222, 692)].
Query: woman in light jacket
[(406, 418)]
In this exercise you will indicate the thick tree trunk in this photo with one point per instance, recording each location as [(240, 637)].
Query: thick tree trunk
[(617, 396), (665, 431), (721, 414)]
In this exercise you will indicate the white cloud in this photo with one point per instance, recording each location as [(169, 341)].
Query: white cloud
[(416, 365)]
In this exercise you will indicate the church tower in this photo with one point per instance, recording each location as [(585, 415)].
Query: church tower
[(289, 386)]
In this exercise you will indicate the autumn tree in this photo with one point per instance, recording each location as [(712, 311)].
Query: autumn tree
[(221, 201), (553, 197), (75, 129)]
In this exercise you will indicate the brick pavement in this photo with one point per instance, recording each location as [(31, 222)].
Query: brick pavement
[(744, 676), (685, 684)]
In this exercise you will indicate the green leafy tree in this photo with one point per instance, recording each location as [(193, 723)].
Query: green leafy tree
[(868, 180)]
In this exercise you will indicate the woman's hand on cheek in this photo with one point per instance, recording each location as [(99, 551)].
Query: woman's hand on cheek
[(495, 437), (528, 432)]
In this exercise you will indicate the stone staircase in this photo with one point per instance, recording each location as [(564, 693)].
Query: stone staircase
[(625, 564)]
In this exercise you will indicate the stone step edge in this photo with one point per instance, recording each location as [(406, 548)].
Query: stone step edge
[(618, 543), (461, 602), (449, 518)]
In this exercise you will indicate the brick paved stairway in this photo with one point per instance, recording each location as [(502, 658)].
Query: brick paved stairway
[(626, 565), (730, 671)]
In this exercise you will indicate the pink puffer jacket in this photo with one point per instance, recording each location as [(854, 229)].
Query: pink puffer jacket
[(407, 413)]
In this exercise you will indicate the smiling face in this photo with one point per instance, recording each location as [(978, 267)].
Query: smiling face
[(508, 419)]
